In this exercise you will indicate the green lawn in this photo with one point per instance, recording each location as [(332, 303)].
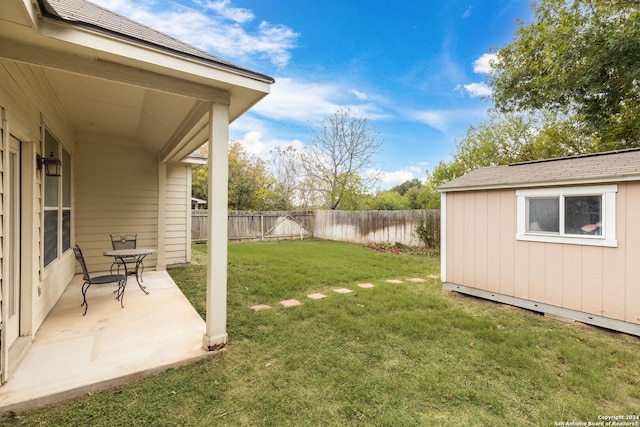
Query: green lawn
[(404, 354)]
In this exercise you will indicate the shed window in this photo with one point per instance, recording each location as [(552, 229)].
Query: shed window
[(573, 215)]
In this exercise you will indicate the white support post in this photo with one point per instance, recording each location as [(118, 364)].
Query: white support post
[(215, 337)]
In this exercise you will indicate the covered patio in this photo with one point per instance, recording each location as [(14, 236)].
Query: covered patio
[(121, 107), (73, 355)]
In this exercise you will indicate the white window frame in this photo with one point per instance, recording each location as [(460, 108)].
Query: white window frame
[(60, 207), (608, 223)]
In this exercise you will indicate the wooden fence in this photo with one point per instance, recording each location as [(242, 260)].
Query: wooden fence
[(254, 225), (346, 226), (377, 226)]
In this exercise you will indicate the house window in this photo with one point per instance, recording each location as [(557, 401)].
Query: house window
[(573, 215), (57, 204)]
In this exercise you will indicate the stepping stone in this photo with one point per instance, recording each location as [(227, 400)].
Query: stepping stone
[(393, 281), (342, 291), (260, 307), (290, 302), (417, 279), (365, 285), (316, 296), (431, 276)]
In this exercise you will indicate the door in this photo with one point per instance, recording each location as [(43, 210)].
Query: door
[(12, 300)]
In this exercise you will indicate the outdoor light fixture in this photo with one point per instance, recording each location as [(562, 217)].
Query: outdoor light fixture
[(52, 164)]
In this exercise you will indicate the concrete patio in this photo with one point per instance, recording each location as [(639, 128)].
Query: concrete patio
[(74, 355)]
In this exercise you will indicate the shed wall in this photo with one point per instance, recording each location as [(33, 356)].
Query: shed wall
[(482, 253)]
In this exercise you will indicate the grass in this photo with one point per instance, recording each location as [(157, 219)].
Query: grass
[(404, 354)]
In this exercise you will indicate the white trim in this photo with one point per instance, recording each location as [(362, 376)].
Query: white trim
[(443, 237), (537, 184), (4, 285), (608, 237)]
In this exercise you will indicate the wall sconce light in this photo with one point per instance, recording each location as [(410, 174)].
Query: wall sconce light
[(52, 164)]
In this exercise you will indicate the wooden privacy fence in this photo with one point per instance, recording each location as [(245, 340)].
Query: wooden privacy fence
[(377, 226), (254, 225), (346, 226)]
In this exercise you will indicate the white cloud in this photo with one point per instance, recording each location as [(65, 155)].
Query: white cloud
[(478, 89), (360, 95), (224, 9), (467, 13), (214, 26), (482, 65), (391, 178), (436, 119), (309, 102), (255, 144)]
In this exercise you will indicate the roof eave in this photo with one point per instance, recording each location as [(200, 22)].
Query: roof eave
[(536, 184), (48, 12)]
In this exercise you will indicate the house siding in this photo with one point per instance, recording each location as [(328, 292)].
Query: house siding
[(482, 253), (178, 211), (28, 104), (116, 193)]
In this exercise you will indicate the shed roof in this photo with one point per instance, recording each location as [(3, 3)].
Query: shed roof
[(83, 13), (612, 166)]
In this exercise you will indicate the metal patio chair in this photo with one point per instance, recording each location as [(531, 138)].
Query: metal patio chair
[(124, 241), (120, 279)]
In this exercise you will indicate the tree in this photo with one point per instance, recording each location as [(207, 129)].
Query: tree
[(387, 201), (200, 177), (352, 192), (342, 148), (249, 181), (503, 139), (286, 167), (578, 58), (250, 185), (406, 186)]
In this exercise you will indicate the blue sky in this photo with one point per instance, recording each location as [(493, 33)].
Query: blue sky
[(416, 68)]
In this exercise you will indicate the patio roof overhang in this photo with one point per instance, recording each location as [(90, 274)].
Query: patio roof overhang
[(109, 85)]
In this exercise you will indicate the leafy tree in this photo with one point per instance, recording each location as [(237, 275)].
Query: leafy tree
[(199, 182), (568, 84), (250, 185), (503, 139), (351, 192), (249, 181), (412, 197), (387, 201), (342, 148), (579, 58), (406, 186), (200, 177)]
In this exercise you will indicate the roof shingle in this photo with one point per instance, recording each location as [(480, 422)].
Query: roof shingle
[(87, 14), (623, 165)]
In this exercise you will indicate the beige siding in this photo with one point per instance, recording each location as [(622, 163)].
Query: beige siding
[(505, 256), (29, 103), (632, 256), (482, 253), (178, 210), (116, 192)]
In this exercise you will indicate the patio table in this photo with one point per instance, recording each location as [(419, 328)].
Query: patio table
[(139, 254)]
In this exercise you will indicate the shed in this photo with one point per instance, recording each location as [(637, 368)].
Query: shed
[(558, 236)]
